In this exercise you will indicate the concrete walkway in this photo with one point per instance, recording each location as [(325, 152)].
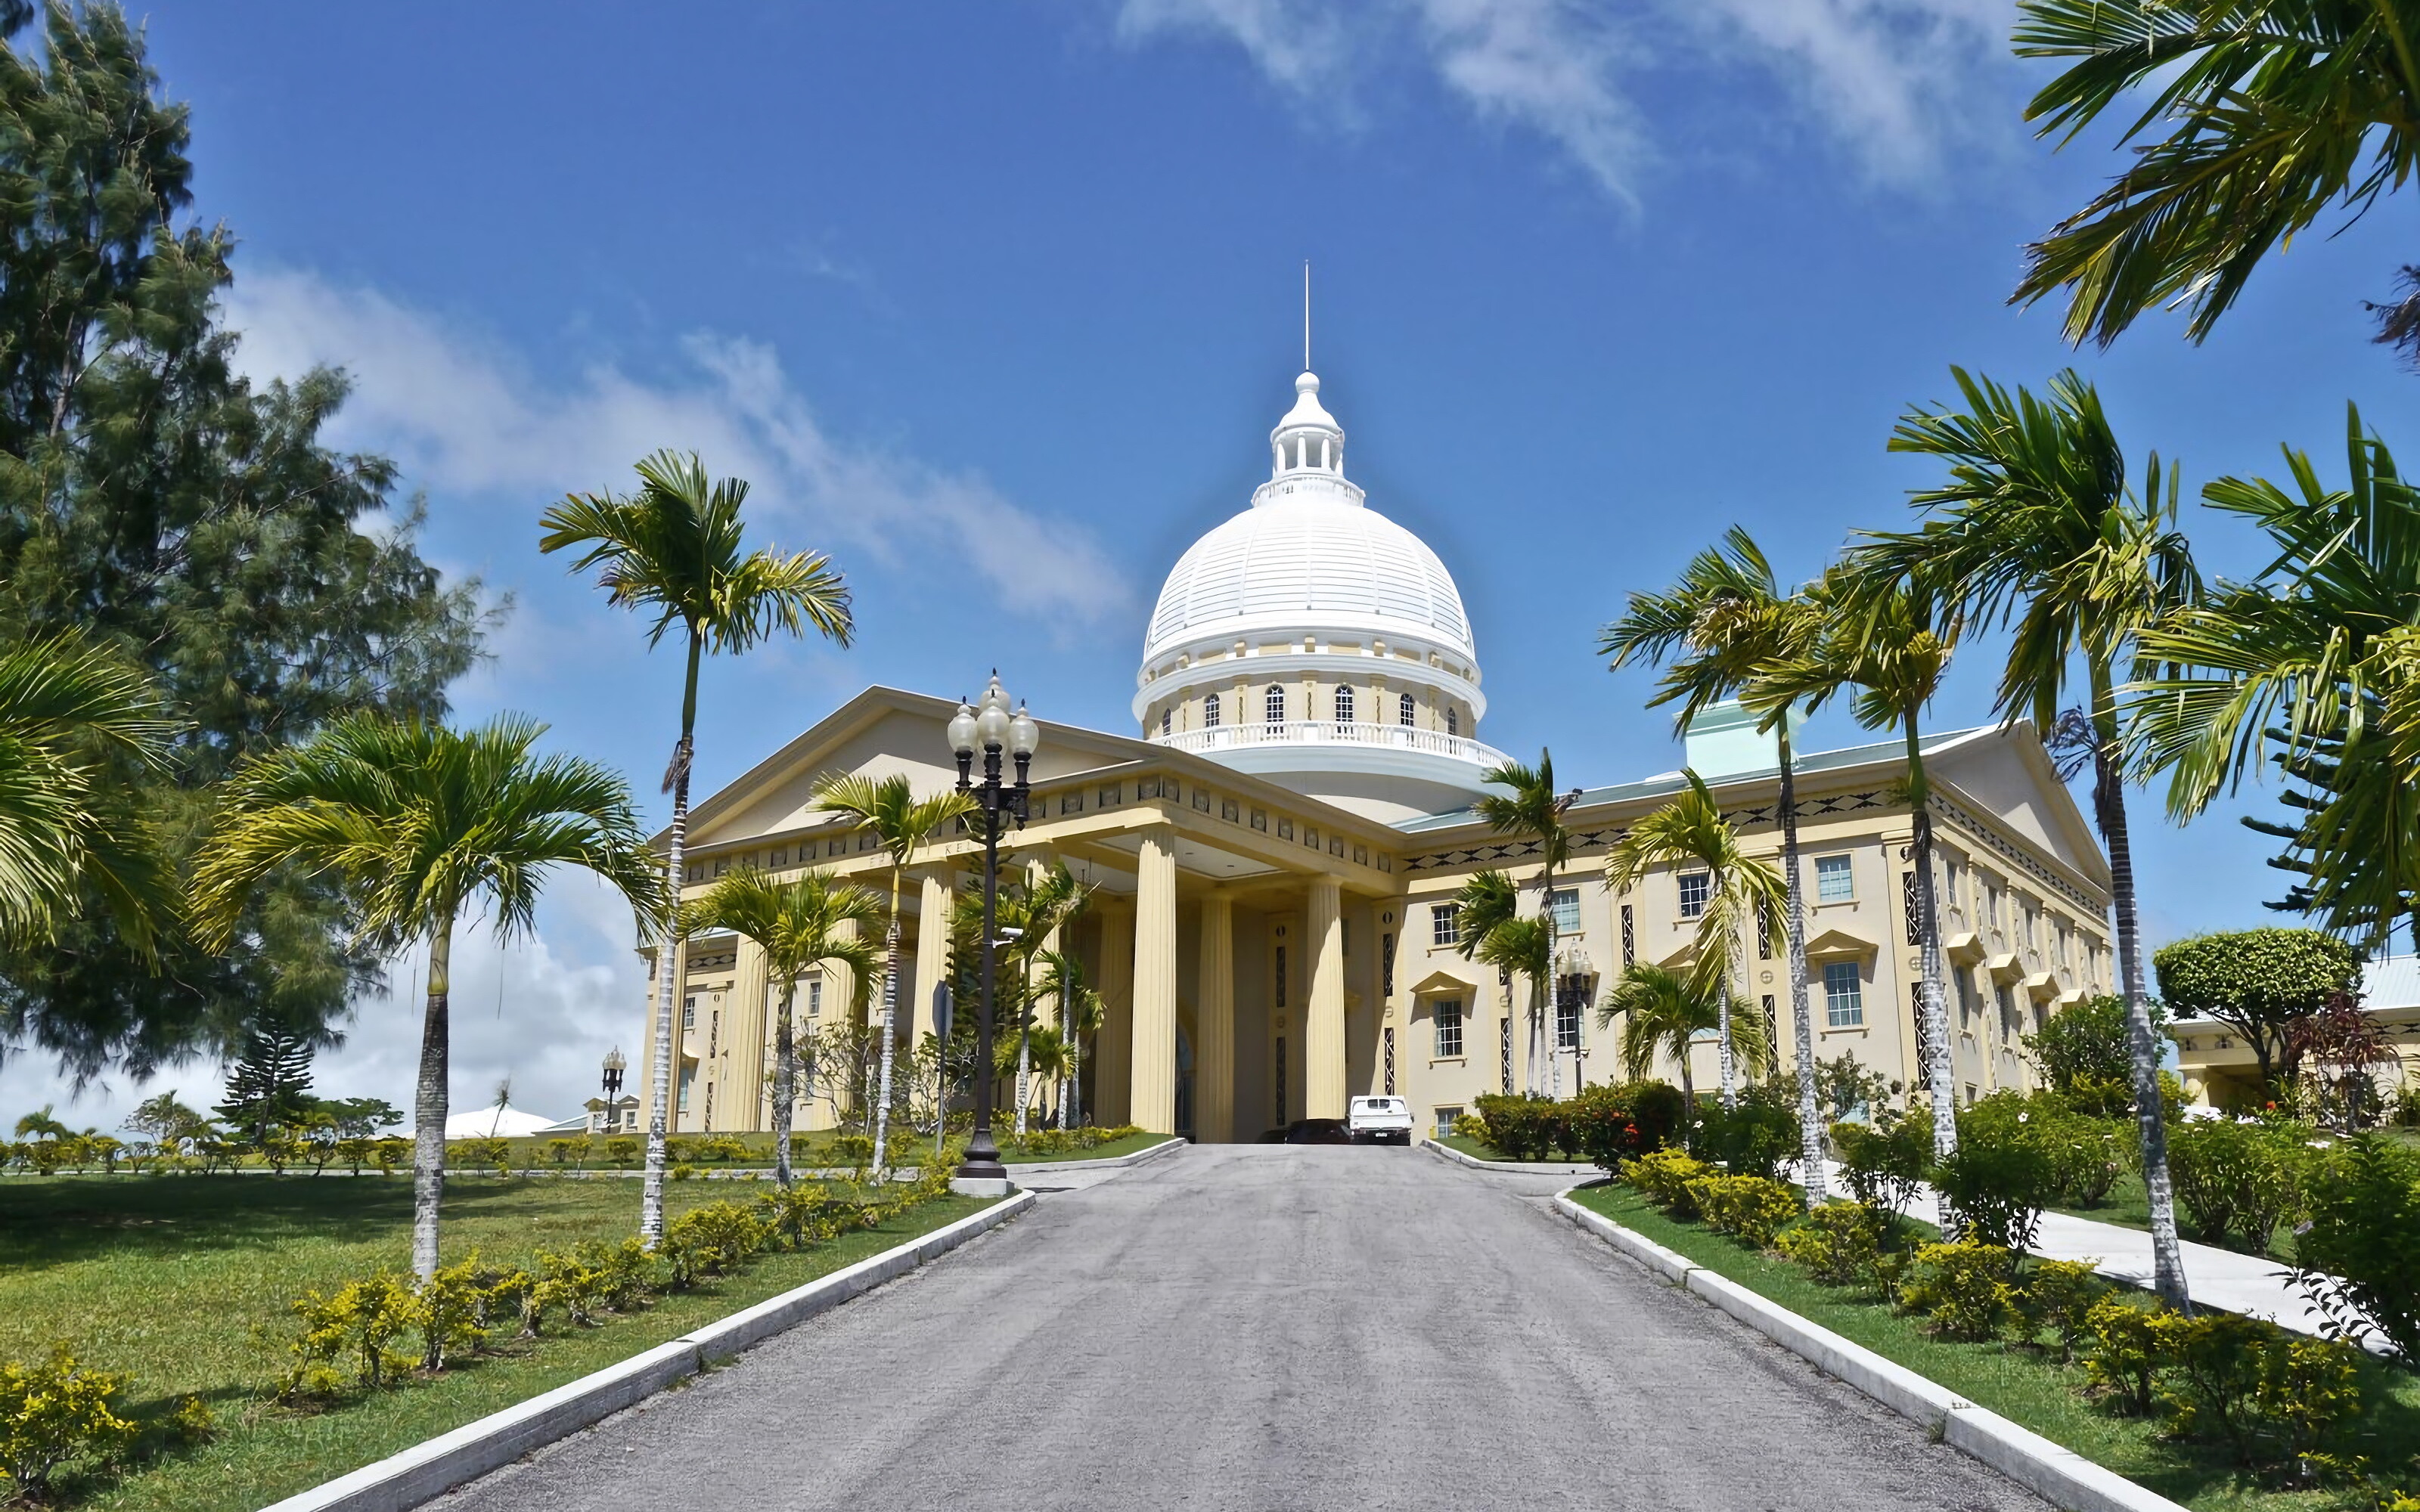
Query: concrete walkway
[(2221, 1278), (1265, 1326)]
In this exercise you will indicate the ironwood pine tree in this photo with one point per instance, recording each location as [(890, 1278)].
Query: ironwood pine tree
[(158, 501), (270, 1084)]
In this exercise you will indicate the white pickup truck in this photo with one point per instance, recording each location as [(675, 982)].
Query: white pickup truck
[(1380, 1120)]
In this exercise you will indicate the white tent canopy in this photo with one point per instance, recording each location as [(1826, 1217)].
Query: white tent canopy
[(492, 1122)]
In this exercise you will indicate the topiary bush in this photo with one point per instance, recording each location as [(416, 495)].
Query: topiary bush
[(55, 1414), (358, 1325), (1521, 1128), (2060, 1296), (1994, 1185), (2121, 1357), (1962, 1290), (1883, 1163)]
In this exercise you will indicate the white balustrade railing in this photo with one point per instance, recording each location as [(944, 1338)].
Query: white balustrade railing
[(1332, 732)]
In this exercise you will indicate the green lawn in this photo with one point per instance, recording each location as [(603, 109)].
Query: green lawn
[(1107, 1150), (2027, 1388), (184, 1282), (2129, 1207)]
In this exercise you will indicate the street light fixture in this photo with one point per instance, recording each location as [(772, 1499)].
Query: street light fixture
[(990, 728), (615, 1066)]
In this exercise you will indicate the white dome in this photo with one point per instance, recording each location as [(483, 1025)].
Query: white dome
[(1314, 560)]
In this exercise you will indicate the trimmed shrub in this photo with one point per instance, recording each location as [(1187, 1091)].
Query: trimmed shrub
[(2121, 1359), (56, 1413), (453, 1312), (568, 1151), (1751, 1140), (359, 1325), (1748, 1208), (623, 1152), (1522, 1127), (2239, 1179), (724, 1148), (1664, 1176), (1962, 1290), (480, 1154), (2308, 1389), (1883, 1162), (2001, 1175), (804, 1215), (853, 1148), (2060, 1296), (2211, 1366), (2359, 1250), (710, 1240), (1838, 1244)]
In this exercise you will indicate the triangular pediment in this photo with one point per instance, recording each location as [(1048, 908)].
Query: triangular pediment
[(1443, 984), (1841, 945)]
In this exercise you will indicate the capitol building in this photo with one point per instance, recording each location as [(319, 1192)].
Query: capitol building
[(1274, 846)]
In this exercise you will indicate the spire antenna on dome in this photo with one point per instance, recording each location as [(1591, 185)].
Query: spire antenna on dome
[(1306, 315)]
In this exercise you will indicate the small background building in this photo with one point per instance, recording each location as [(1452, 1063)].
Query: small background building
[(2218, 1069)]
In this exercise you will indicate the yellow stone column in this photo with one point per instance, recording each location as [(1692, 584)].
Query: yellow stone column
[(1152, 1076), (748, 1040), (1113, 1049), (932, 955), (1322, 1031), (1213, 1013)]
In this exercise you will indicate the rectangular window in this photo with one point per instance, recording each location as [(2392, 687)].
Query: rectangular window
[(689, 1013), (1310, 837), (1260, 819), (1835, 881), (1504, 1050), (1445, 1119), (1844, 1001), (1286, 829), (1448, 1013), (688, 1075), (1566, 904), (814, 997), (1445, 924), (1113, 794), (1229, 809), (1386, 965), (1990, 904), (1390, 1060), (1696, 887), (1571, 996), (1629, 939)]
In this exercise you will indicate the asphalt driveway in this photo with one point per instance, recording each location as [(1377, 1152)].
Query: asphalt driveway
[(1264, 1327)]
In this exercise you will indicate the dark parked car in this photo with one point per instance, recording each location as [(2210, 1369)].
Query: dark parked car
[(1318, 1132)]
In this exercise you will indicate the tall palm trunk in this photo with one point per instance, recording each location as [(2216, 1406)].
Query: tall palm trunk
[(1938, 1074), (785, 1080), (890, 1029), (1549, 1009), (2143, 1045), (668, 963), (1068, 1081), (1025, 1048), (1725, 1062), (1810, 1113), (429, 1106)]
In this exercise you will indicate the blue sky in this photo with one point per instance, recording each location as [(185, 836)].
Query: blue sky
[(998, 301)]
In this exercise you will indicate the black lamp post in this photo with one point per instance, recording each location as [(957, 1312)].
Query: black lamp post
[(615, 1066), (990, 728)]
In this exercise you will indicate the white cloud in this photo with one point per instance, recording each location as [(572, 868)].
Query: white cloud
[(1890, 80), (460, 414)]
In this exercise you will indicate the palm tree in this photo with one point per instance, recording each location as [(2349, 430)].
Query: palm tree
[(2315, 665), (69, 713), (2037, 531), (1488, 926), (2273, 112), (1690, 831), (1663, 1012), (799, 926), (1888, 641), (421, 823), (673, 551), (1080, 1013), (901, 824), (1534, 812), (1051, 1057), (1047, 904), (1727, 616)]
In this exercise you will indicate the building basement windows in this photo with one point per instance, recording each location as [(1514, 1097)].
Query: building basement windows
[(1844, 999), (1448, 1013), (1835, 881), (1445, 924), (1696, 887)]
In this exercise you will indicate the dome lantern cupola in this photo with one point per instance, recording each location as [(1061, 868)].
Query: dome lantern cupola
[(1308, 439)]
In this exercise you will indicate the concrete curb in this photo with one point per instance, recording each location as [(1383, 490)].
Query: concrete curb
[(430, 1469), (1533, 1167), (1044, 1168), (2058, 1475)]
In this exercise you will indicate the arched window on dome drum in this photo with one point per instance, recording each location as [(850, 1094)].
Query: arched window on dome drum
[(1403, 708), (1166, 721), (1210, 712), (1452, 721), (1343, 703), (1273, 705)]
